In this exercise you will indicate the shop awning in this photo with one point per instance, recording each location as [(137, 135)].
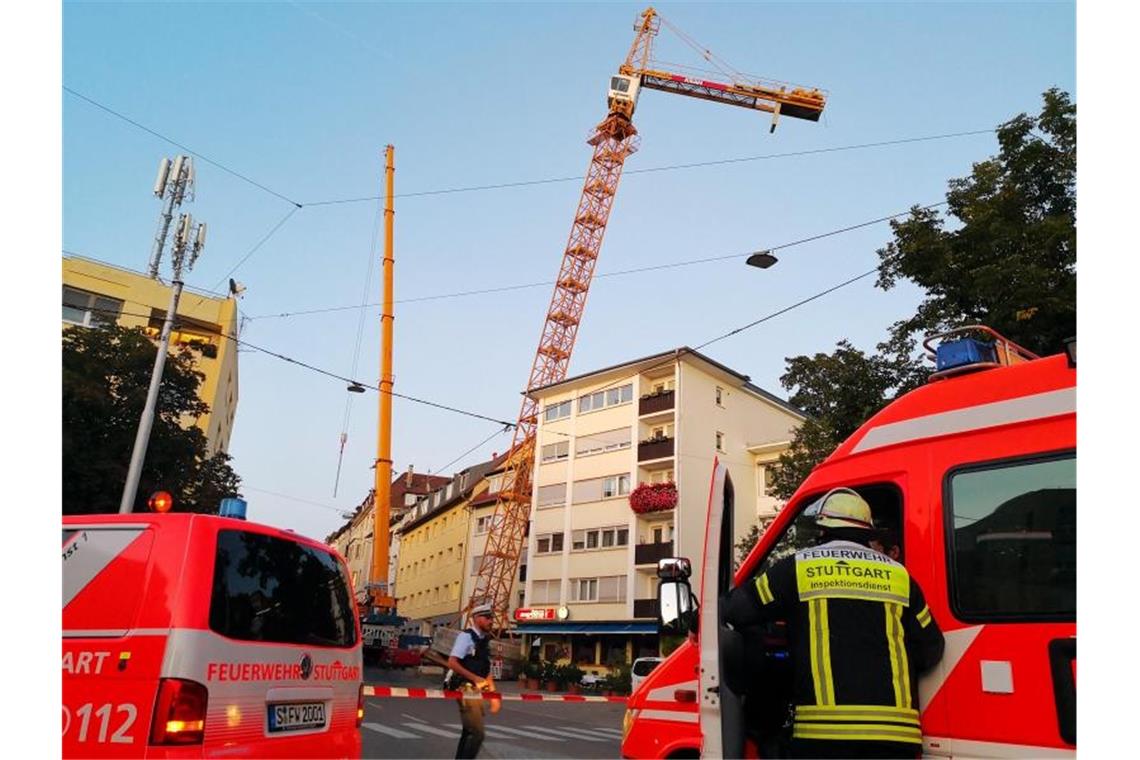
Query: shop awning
[(542, 628)]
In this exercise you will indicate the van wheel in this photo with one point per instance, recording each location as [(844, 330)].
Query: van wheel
[(684, 754)]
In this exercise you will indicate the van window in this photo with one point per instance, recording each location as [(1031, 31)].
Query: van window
[(1013, 539), (275, 590), (885, 501)]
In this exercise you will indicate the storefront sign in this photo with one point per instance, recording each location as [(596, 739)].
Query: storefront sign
[(535, 613)]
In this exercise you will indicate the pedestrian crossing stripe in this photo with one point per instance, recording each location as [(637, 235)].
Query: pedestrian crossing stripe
[(411, 693), (407, 730)]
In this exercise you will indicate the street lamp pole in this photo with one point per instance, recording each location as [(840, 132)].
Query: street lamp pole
[(194, 237)]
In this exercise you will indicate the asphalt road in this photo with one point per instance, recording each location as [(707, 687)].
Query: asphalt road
[(429, 728)]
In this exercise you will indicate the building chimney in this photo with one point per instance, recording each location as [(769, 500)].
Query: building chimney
[(411, 471)]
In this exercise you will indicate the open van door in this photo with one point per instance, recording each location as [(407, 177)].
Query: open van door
[(721, 714)]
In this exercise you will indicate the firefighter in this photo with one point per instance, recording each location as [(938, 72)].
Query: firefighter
[(470, 663), (859, 631)]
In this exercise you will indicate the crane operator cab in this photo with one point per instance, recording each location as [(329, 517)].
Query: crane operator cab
[(623, 93)]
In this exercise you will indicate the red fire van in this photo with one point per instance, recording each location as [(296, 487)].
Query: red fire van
[(975, 473), (197, 636)]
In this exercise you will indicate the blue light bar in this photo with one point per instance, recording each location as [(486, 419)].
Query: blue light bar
[(233, 507), (964, 352)]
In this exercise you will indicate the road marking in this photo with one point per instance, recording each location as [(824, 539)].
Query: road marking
[(503, 732), (612, 731), (432, 730), (393, 732), (582, 736)]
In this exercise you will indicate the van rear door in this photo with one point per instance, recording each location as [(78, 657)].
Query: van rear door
[(110, 663)]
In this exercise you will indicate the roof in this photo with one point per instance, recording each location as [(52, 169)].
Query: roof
[(664, 357), (470, 478), (421, 484)]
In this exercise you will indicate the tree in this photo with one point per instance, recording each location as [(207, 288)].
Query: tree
[(1010, 262), (106, 373), (1007, 261)]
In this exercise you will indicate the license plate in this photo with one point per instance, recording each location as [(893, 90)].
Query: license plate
[(296, 716)]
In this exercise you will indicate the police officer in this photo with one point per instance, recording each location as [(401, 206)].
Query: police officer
[(470, 661), (859, 631)]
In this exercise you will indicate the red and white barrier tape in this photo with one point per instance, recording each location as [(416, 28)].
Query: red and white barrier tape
[(411, 693)]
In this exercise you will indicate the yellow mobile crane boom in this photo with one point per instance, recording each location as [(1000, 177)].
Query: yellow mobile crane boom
[(613, 140)]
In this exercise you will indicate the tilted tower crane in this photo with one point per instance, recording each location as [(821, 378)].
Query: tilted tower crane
[(613, 140)]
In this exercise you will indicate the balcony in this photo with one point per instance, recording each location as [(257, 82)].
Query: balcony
[(652, 404), (649, 554), (654, 448), (645, 608)]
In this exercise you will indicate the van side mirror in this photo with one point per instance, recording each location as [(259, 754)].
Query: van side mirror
[(676, 607), (674, 568)]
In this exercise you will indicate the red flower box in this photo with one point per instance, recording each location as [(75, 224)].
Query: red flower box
[(653, 497)]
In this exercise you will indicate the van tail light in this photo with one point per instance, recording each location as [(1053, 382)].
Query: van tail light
[(179, 712), (359, 705)]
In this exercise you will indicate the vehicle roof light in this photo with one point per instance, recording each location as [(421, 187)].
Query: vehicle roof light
[(160, 501), (964, 352)]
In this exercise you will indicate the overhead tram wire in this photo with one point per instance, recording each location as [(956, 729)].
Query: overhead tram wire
[(481, 443), (342, 510), (327, 373), (618, 273), (669, 167), (180, 146)]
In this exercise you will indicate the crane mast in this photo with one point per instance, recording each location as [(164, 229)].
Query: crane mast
[(613, 140)]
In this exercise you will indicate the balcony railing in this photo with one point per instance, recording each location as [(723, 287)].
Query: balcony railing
[(649, 554), (656, 448), (658, 403), (645, 608)]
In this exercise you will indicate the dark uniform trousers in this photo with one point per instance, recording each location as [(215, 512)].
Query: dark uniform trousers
[(471, 710), (859, 635)]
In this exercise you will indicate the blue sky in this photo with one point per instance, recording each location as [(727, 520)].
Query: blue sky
[(302, 98)]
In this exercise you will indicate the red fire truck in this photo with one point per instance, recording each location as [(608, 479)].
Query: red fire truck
[(196, 635), (976, 474)]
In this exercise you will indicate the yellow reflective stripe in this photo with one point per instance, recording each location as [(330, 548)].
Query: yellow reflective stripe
[(820, 713), (924, 617), (858, 731), (828, 683), (819, 635), (763, 589), (896, 647)]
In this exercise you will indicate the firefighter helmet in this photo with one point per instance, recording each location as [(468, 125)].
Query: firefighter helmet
[(842, 508)]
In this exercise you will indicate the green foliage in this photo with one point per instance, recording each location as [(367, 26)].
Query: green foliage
[(106, 373), (620, 678), (1004, 255), (669, 642), (1009, 261), (569, 674)]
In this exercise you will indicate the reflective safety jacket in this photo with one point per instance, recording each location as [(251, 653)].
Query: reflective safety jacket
[(859, 632)]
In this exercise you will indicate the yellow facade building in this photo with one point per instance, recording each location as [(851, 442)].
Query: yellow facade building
[(95, 293)]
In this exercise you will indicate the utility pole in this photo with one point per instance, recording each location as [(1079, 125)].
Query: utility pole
[(174, 181), (186, 235), (382, 496)]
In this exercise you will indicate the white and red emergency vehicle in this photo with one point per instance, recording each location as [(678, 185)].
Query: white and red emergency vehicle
[(976, 474), (191, 635)]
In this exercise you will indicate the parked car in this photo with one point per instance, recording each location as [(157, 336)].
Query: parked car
[(642, 667)]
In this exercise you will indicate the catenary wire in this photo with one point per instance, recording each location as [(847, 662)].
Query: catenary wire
[(481, 443), (668, 167), (327, 373), (180, 146), (617, 273)]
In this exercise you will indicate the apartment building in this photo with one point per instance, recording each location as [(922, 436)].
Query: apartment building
[(434, 542), (595, 536), (354, 539), (96, 294)]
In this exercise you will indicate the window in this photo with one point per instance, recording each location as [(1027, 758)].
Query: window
[(89, 309), (768, 476), (592, 402), (546, 592), (522, 597), (615, 485), (555, 452), (478, 558), (548, 543), (272, 589), (1013, 539), (596, 489), (719, 396), (487, 523), (596, 443), (557, 411), (661, 476), (605, 589), (600, 538), (719, 441), (660, 432), (553, 495)]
